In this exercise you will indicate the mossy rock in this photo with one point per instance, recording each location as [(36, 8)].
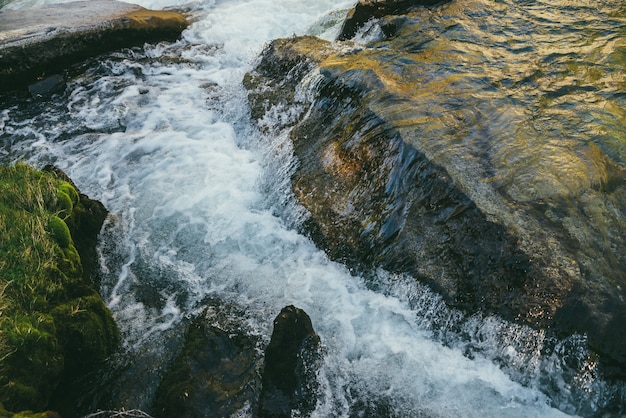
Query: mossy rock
[(67, 198), (64, 203), (54, 326), (27, 414), (33, 370), (68, 189), (87, 330), (31, 414), (84, 222), (60, 232), (70, 263)]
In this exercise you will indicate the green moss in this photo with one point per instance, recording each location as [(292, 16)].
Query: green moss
[(67, 199), (35, 364), (68, 189), (87, 330), (27, 414), (65, 204), (70, 263), (60, 232), (51, 320)]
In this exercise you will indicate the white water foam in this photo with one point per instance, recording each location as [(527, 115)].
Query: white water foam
[(166, 145)]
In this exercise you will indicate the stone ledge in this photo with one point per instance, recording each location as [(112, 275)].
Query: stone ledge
[(40, 41)]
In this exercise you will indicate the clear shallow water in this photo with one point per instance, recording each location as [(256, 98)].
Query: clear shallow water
[(200, 206)]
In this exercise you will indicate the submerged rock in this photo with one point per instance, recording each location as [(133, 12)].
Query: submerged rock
[(396, 174), (41, 41), (47, 87), (289, 382)]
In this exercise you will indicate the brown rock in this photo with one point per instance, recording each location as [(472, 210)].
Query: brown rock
[(41, 41), (380, 194)]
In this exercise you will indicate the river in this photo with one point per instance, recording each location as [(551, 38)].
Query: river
[(201, 206)]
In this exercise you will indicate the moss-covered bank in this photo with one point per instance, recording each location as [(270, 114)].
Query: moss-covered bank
[(53, 323)]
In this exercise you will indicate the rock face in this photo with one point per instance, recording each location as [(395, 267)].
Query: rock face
[(291, 358), (397, 174), (45, 40)]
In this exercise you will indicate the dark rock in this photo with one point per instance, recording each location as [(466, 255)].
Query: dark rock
[(47, 87), (290, 363), (45, 40), (371, 9), (216, 373)]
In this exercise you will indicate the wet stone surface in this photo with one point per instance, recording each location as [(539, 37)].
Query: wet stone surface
[(415, 163)]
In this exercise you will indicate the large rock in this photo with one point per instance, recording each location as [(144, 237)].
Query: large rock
[(291, 362), (41, 41), (388, 182)]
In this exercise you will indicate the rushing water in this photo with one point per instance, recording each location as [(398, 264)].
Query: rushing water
[(200, 206)]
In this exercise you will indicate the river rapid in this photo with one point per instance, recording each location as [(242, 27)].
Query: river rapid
[(200, 206)]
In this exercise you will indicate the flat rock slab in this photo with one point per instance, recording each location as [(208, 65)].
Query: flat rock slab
[(40, 41)]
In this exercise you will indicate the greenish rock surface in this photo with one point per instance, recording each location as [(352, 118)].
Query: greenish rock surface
[(416, 157), (27, 414), (41, 41), (53, 323), (217, 371)]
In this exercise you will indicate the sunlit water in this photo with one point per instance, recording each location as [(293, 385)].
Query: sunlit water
[(200, 206)]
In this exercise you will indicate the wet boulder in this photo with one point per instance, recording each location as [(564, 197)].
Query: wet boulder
[(216, 373), (398, 169), (291, 361), (39, 42)]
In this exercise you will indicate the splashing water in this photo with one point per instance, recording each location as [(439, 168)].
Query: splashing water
[(200, 206)]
